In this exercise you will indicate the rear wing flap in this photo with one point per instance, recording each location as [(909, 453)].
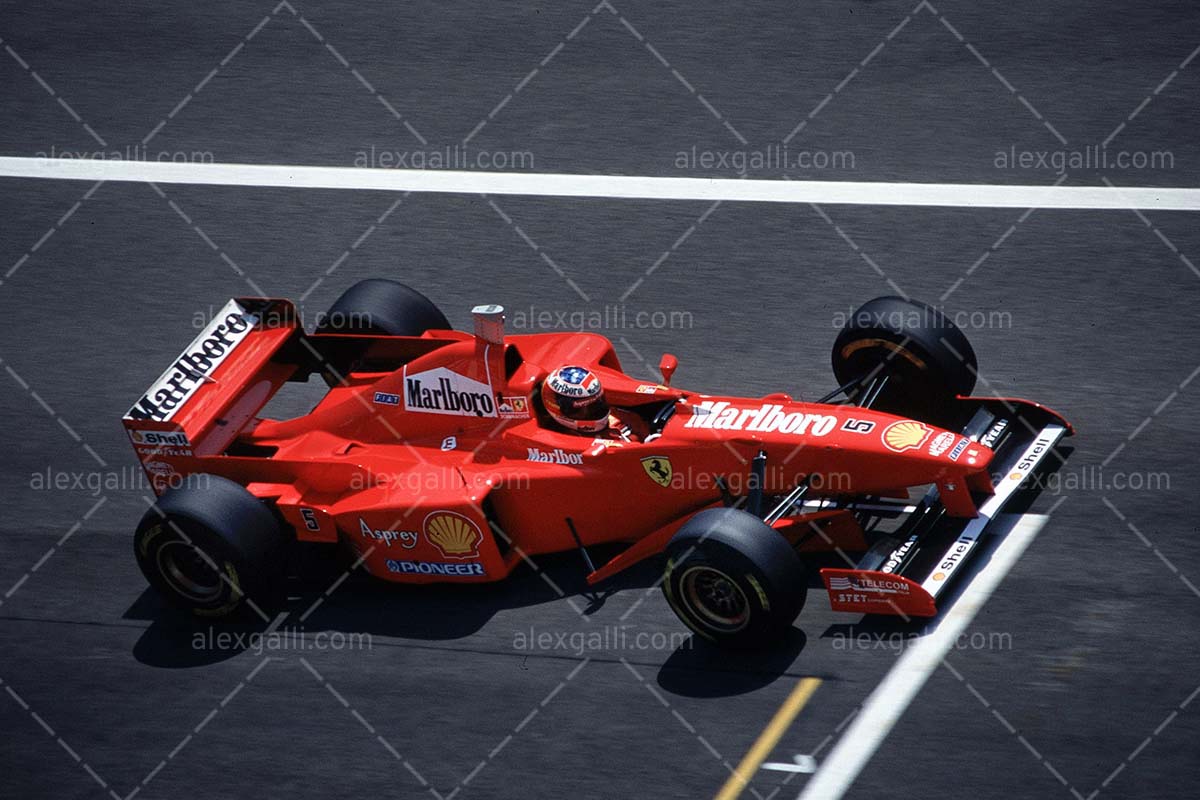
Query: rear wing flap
[(219, 382)]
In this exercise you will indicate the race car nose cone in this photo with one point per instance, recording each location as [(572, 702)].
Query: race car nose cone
[(489, 323)]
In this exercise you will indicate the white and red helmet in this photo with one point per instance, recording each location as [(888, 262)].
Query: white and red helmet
[(574, 397)]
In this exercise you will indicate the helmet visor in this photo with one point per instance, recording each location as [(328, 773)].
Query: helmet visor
[(584, 409)]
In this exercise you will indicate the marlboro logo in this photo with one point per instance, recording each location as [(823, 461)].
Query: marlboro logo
[(195, 365), (767, 418), (555, 456), (440, 391)]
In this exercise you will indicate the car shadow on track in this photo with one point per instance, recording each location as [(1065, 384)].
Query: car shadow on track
[(697, 669), (356, 603)]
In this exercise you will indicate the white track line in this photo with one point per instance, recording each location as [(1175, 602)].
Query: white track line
[(615, 186), (889, 700)]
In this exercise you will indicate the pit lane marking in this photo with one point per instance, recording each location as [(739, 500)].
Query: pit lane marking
[(893, 695), (767, 740), (871, 193)]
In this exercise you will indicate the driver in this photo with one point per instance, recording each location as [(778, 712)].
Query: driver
[(574, 398)]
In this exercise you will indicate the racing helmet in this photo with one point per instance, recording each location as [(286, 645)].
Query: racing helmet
[(575, 399)]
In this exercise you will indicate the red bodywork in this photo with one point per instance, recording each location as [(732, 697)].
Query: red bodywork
[(430, 456)]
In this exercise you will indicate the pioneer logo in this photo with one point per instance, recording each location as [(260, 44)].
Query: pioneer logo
[(764, 419), (195, 365), (440, 391)]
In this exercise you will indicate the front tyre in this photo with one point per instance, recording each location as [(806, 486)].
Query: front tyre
[(383, 306), (210, 547), (925, 357), (733, 579)]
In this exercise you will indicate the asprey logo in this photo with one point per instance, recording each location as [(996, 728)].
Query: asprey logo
[(441, 391), (764, 419), (194, 366), (405, 539)]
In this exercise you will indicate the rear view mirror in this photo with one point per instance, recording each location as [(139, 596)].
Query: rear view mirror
[(666, 366)]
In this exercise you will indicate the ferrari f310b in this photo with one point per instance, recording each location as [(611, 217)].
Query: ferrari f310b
[(439, 455)]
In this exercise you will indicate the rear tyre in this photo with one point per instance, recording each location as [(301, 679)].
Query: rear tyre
[(213, 547), (926, 358), (383, 306), (733, 580)]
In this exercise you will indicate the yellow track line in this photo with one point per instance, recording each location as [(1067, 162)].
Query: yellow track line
[(767, 740)]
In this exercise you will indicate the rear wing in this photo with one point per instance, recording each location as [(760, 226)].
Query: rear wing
[(906, 573), (217, 384)]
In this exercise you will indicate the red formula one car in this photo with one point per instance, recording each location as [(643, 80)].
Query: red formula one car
[(433, 458)]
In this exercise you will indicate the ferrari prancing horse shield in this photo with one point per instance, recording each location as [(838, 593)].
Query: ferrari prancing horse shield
[(659, 469)]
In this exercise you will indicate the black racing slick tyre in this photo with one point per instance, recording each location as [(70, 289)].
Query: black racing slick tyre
[(925, 357), (382, 306), (210, 547), (733, 580)]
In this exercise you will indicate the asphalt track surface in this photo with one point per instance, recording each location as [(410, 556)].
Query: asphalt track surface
[(1078, 676)]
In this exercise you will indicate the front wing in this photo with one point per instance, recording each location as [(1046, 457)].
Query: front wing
[(907, 572)]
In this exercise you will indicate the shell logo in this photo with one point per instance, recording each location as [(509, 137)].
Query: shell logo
[(906, 435), (453, 534)]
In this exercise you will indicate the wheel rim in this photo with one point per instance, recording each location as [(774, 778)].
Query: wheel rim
[(716, 599), (189, 572)]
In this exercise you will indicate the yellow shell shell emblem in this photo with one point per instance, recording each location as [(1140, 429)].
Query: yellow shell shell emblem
[(453, 534), (906, 435)]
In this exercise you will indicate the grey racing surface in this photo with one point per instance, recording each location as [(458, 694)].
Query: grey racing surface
[(1079, 676)]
